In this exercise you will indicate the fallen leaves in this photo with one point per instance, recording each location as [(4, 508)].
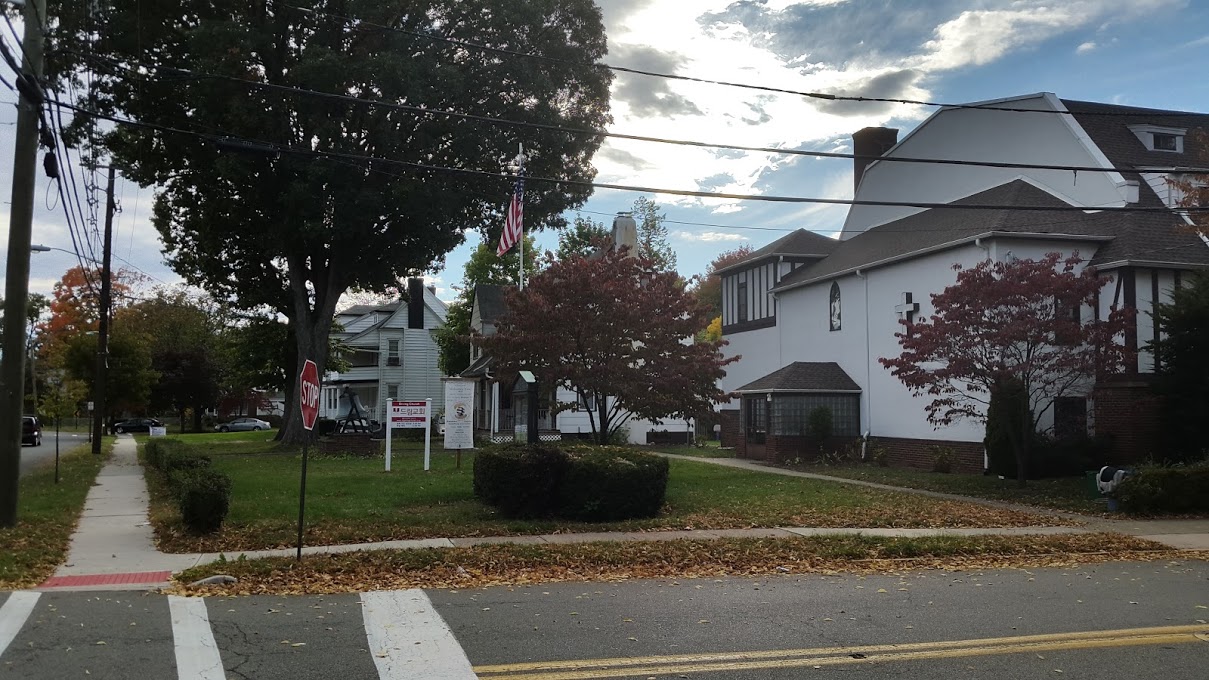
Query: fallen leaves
[(528, 564)]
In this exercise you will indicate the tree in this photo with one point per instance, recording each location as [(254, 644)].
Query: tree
[(1183, 374), (278, 200), (75, 307), (1007, 322), (708, 290), (581, 239), (617, 330), (182, 334), (484, 266), (129, 376), (652, 235)]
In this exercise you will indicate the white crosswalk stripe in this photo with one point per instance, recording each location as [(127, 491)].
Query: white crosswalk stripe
[(409, 639), (13, 614), (197, 656)]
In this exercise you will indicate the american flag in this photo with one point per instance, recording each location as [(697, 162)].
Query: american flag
[(512, 225)]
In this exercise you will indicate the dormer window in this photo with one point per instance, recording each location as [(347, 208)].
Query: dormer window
[(1160, 138)]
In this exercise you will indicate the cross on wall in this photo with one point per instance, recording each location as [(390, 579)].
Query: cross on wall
[(907, 309)]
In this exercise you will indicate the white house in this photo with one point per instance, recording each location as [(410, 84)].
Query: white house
[(812, 316), (394, 355)]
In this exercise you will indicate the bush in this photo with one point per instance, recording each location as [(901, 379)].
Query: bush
[(612, 484), (819, 424), (1157, 489), (204, 498), (324, 427), (520, 480), (273, 420), (159, 449), (942, 458), (1068, 457)]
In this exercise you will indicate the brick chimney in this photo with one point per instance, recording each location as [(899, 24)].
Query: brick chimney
[(870, 141), (415, 303)]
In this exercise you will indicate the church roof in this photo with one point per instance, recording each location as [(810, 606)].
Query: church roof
[(1110, 132), (804, 376), (800, 243), (1125, 237), (478, 368), (490, 299)]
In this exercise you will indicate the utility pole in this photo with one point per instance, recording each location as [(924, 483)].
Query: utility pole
[(98, 392), (16, 283)]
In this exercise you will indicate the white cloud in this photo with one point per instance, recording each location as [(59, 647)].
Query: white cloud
[(707, 236), (1086, 47)]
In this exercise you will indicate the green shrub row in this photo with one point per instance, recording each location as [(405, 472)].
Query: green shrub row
[(587, 483), (1158, 489), (202, 494)]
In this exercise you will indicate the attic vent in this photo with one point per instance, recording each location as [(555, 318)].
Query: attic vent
[(1160, 138)]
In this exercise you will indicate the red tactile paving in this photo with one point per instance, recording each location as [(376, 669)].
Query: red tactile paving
[(107, 579)]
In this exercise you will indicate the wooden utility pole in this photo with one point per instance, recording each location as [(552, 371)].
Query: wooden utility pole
[(16, 283), (98, 391)]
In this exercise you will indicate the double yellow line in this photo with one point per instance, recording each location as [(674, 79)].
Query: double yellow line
[(588, 669)]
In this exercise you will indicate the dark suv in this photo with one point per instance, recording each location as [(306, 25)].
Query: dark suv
[(31, 431)]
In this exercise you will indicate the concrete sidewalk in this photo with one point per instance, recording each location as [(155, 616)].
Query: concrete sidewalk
[(113, 547)]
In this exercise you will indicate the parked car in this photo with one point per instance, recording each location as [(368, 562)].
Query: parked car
[(243, 425), (136, 425), (31, 431)]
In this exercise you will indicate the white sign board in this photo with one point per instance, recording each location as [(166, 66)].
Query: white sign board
[(408, 414), (459, 414), (158, 431)]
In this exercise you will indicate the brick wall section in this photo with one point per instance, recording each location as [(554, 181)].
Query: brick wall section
[(351, 443), (730, 427), (917, 453), (1128, 412)]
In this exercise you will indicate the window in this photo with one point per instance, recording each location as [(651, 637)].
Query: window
[(1165, 142), (835, 306), (791, 413), (392, 352), (742, 302), (755, 414), (1067, 315), (587, 401), (392, 391)]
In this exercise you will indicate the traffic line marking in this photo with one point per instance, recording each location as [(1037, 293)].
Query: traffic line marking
[(197, 656), (408, 638), (585, 669), (16, 609)]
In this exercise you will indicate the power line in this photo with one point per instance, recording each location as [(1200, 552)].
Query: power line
[(270, 147), (670, 76), (423, 111)]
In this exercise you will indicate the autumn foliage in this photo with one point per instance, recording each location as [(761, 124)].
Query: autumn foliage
[(1016, 322), (617, 329)]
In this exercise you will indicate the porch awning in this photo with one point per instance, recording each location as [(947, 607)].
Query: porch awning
[(478, 368), (804, 376)]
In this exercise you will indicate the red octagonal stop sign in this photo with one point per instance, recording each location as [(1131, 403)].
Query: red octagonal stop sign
[(308, 394)]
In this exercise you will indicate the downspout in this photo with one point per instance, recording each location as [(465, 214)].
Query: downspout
[(986, 457), (868, 391)]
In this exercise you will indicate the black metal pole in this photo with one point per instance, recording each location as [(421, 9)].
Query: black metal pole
[(302, 499)]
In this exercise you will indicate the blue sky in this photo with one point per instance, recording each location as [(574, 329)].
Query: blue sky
[(1139, 52)]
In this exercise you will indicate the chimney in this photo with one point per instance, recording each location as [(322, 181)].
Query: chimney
[(870, 141), (625, 233), (415, 303), (432, 288)]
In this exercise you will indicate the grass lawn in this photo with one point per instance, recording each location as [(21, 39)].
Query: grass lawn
[(47, 515), (1068, 493), (706, 450), (352, 500)]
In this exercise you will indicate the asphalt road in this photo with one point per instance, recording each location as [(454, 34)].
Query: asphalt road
[(34, 456), (1132, 621)]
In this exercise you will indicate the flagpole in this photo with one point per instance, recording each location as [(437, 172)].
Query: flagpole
[(520, 171)]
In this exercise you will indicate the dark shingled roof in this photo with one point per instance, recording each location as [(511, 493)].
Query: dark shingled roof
[(478, 368), (800, 243), (359, 310), (805, 376), (490, 299), (1156, 237), (1123, 148)]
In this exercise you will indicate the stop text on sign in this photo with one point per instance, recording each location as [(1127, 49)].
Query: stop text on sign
[(310, 393)]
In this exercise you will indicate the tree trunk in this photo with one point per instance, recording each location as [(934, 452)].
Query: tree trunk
[(312, 344), (602, 410), (1023, 445), (197, 417)]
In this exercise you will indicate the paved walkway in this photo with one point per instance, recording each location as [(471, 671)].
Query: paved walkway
[(113, 547)]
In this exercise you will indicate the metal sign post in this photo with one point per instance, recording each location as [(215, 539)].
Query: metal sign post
[(308, 404)]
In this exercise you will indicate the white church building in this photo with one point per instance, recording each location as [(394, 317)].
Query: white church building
[(810, 316)]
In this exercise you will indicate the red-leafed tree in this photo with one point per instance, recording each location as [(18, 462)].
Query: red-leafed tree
[(618, 331), (1010, 323)]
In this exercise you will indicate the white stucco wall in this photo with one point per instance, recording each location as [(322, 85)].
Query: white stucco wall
[(966, 134), (760, 355)]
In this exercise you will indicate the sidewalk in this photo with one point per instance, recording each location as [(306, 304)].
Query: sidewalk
[(113, 547)]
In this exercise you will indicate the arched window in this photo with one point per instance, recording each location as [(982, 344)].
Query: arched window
[(835, 306)]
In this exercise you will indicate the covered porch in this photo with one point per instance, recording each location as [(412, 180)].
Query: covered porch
[(776, 412)]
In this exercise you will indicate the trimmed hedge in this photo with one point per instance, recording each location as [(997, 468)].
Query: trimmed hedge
[(604, 486), (1157, 490), (593, 484), (202, 494)]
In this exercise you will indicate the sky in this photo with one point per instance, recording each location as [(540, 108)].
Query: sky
[(1148, 53)]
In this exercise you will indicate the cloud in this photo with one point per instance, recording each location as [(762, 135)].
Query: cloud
[(622, 157), (1086, 47), (893, 84), (648, 96), (707, 236)]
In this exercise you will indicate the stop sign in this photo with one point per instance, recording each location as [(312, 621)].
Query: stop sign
[(308, 391)]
